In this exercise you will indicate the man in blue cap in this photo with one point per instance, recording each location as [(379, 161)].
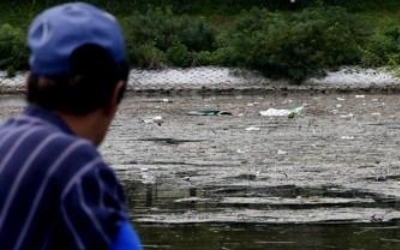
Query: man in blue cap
[(56, 192)]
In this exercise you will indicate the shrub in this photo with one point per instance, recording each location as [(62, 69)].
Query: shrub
[(175, 36), (295, 45), (179, 55), (147, 56), (195, 33), (13, 51), (217, 57), (383, 48)]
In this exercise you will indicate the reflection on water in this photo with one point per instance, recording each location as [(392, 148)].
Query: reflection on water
[(254, 237), (174, 224)]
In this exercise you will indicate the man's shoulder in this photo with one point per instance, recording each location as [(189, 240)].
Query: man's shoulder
[(47, 145), (72, 158), (75, 151), (34, 131)]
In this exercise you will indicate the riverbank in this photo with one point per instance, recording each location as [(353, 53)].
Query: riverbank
[(292, 42), (218, 80)]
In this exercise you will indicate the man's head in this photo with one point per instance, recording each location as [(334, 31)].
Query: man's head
[(77, 61), (77, 58)]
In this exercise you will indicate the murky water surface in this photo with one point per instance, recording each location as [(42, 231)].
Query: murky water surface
[(326, 179)]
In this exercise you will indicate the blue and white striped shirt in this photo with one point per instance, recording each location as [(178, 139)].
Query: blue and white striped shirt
[(56, 192)]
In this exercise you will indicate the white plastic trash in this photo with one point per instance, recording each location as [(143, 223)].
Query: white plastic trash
[(275, 112), (282, 112), (156, 119), (252, 128)]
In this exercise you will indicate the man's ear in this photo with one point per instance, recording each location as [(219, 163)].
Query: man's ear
[(116, 97), (27, 75)]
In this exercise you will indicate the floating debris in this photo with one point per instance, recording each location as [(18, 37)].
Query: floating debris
[(252, 128), (245, 176), (290, 113), (156, 119), (165, 100), (347, 116), (295, 112), (209, 112), (275, 112), (169, 140), (346, 137), (281, 152)]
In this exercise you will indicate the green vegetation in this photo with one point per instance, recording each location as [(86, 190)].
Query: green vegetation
[(296, 45), (158, 37), (13, 52), (275, 37)]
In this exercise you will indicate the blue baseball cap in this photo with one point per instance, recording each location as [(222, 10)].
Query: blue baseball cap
[(57, 32)]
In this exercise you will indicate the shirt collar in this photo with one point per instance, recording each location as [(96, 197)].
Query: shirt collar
[(47, 116)]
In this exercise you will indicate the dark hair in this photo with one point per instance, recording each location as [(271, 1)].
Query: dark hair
[(89, 86)]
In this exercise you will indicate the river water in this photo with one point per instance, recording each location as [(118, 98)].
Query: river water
[(326, 179), (329, 178)]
